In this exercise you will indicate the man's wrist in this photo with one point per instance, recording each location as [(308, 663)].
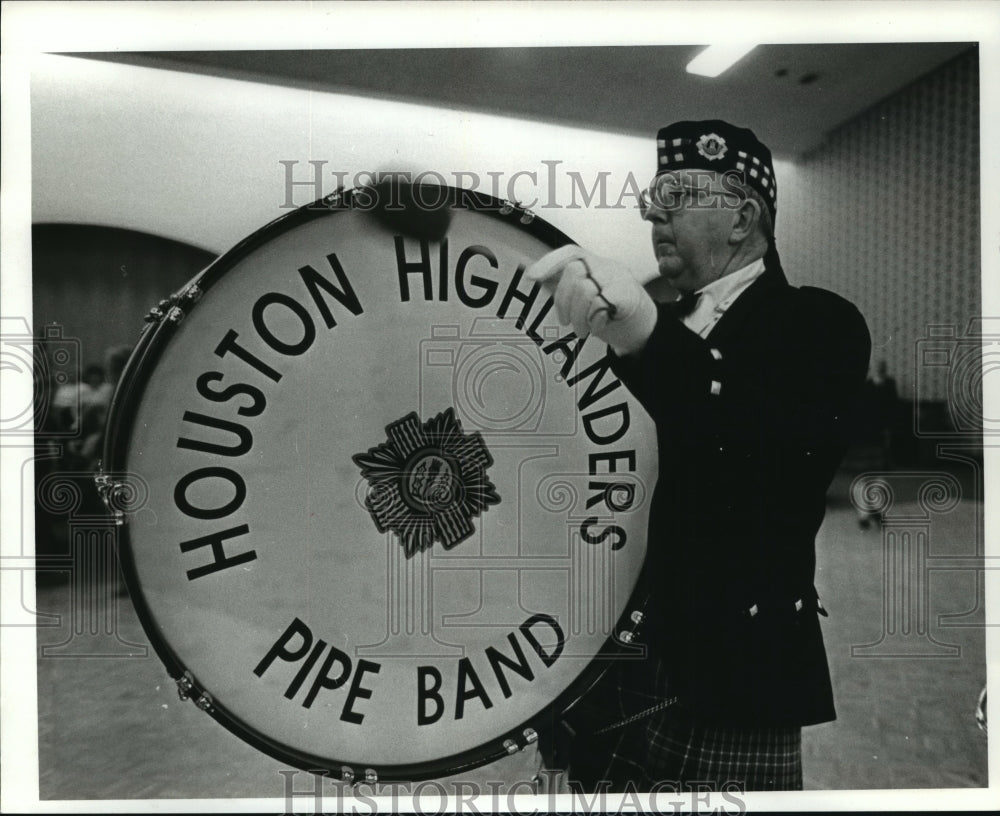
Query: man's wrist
[(642, 324)]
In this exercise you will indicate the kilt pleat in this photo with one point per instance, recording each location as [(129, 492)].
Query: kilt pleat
[(632, 732), (668, 750)]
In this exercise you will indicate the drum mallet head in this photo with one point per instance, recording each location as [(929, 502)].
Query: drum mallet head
[(421, 211)]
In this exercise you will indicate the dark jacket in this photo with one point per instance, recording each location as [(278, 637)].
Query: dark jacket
[(752, 423)]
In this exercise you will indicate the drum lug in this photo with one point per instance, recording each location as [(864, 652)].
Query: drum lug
[(110, 490), (511, 746), (628, 636), (371, 777), (508, 207), (185, 685), (175, 308), (186, 690), (155, 315), (346, 774), (183, 302), (191, 294)]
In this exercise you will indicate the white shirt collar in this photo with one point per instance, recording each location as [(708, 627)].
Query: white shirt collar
[(716, 297)]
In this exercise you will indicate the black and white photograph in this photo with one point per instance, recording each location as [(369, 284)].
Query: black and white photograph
[(499, 407)]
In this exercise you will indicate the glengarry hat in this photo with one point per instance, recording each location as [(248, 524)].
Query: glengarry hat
[(712, 144)]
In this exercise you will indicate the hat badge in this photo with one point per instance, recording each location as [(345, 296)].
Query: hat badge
[(712, 146)]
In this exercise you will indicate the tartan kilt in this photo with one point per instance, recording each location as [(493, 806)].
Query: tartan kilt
[(630, 732), (669, 750)]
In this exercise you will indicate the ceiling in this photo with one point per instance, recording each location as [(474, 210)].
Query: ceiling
[(792, 95)]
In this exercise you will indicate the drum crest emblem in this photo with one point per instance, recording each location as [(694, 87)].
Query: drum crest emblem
[(427, 481)]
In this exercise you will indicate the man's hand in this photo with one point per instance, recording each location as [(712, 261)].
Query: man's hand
[(596, 295)]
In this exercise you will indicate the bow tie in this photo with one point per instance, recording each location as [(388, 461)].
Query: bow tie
[(686, 303)]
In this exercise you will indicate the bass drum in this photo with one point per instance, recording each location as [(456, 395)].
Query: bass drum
[(383, 516)]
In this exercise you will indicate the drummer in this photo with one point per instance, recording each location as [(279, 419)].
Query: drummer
[(751, 383)]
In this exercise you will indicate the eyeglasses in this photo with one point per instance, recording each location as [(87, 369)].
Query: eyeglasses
[(666, 193), (669, 194)]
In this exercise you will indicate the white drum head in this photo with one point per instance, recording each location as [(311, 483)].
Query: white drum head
[(387, 511)]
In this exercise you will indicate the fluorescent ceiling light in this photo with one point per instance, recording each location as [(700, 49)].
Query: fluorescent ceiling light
[(717, 58)]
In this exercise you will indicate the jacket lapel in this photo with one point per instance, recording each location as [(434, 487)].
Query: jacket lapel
[(756, 295)]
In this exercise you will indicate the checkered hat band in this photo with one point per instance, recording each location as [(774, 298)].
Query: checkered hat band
[(672, 151), (756, 173)]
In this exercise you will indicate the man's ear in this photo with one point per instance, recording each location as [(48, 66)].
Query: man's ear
[(745, 218)]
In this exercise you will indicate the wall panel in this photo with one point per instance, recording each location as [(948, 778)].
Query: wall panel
[(887, 213)]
